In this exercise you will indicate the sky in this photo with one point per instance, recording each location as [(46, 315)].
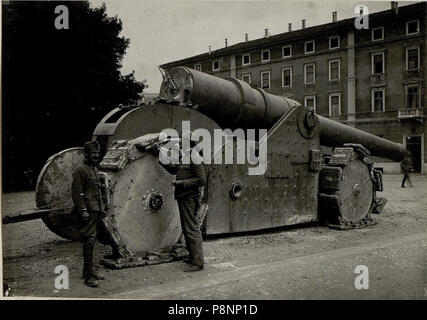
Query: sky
[(162, 31)]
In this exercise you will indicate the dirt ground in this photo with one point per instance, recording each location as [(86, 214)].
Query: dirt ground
[(31, 251)]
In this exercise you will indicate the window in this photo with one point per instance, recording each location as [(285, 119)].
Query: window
[(246, 59), (286, 51), (246, 78), (215, 65), (265, 80), (378, 100), (309, 47), (310, 102), (334, 104), (412, 27), (412, 58), (265, 55), (378, 63), (412, 96), (309, 73), (287, 77), (334, 42), (334, 69), (378, 34), (198, 67)]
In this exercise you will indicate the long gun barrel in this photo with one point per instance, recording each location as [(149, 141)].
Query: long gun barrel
[(233, 103)]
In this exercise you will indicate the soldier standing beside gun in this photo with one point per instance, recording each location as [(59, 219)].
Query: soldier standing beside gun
[(86, 192), (189, 178), (406, 167)]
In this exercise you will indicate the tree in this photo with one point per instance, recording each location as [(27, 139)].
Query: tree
[(57, 83)]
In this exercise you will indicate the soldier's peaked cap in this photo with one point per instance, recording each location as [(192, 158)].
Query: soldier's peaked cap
[(92, 145)]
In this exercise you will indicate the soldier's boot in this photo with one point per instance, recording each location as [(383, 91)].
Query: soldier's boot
[(96, 274), (87, 260), (115, 253), (188, 261), (193, 268), (88, 270), (91, 281)]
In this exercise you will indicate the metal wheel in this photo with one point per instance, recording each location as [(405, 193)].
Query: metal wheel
[(356, 191), (53, 191), (144, 206), (142, 200)]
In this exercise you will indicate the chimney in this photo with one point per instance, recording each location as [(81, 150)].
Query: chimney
[(395, 7), (334, 16), (303, 24), (226, 42), (289, 27), (210, 47), (246, 37), (266, 33)]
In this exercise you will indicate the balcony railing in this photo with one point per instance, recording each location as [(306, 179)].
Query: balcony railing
[(411, 113)]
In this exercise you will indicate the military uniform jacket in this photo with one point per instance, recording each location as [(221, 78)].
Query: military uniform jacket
[(192, 177), (406, 165), (86, 189)]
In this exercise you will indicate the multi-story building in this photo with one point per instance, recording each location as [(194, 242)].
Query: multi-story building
[(373, 79)]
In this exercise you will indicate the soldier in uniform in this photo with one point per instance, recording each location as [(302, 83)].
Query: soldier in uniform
[(90, 203), (406, 167), (189, 179)]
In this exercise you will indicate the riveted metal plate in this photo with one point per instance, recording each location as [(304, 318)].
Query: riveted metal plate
[(315, 160), (287, 147), (285, 195)]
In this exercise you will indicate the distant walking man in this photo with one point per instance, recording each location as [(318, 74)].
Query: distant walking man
[(406, 167), (89, 202), (189, 178)]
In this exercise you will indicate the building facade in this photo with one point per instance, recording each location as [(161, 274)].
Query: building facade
[(373, 79)]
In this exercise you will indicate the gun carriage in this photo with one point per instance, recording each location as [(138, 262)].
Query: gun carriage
[(298, 185)]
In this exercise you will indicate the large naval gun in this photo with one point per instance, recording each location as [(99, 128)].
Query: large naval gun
[(299, 183)]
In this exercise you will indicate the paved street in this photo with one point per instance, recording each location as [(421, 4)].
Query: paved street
[(396, 270), (305, 262)]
